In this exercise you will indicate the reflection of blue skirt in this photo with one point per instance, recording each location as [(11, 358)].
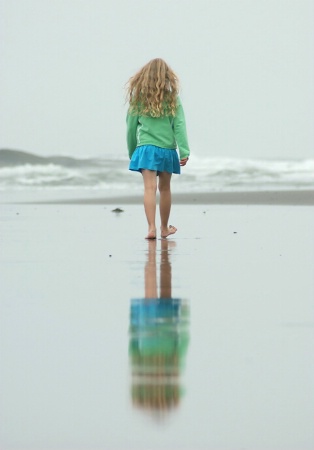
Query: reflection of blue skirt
[(155, 158)]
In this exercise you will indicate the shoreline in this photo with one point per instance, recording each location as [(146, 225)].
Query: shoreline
[(291, 197)]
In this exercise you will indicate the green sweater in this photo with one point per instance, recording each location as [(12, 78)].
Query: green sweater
[(165, 132)]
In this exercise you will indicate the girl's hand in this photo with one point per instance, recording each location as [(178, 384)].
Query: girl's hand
[(183, 161)]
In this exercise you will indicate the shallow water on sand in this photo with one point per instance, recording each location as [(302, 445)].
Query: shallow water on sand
[(204, 341)]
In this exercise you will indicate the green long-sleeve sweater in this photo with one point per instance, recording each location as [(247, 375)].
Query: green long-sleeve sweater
[(166, 132)]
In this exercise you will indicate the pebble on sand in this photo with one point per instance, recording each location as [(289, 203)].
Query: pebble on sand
[(117, 210)]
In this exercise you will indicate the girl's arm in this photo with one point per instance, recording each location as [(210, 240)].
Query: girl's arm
[(131, 122), (180, 134)]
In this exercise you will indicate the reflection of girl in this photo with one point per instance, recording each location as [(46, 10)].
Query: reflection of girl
[(157, 348), (159, 338), (155, 128)]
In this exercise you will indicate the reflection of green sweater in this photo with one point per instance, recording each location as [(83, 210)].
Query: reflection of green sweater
[(166, 132), (159, 331)]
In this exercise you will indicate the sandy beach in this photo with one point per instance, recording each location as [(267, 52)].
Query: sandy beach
[(203, 341)]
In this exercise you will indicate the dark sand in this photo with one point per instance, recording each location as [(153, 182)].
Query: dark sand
[(296, 197)]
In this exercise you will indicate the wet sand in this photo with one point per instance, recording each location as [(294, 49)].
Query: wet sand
[(90, 197), (93, 355), (296, 197)]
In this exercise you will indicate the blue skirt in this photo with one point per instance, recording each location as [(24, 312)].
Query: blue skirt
[(155, 158)]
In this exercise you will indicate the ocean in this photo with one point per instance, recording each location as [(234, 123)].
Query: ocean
[(110, 174)]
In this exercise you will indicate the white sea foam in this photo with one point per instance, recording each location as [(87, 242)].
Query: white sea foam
[(201, 174), (228, 173)]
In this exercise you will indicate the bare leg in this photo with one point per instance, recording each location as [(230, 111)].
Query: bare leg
[(150, 187), (165, 204)]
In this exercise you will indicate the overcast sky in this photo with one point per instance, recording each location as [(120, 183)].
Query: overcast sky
[(246, 69)]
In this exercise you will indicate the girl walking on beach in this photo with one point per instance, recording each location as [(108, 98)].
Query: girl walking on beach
[(155, 129)]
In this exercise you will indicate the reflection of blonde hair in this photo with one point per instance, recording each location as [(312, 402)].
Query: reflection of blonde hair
[(156, 396), (156, 381), (153, 90)]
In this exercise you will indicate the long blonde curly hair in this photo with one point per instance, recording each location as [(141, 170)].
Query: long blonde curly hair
[(153, 90)]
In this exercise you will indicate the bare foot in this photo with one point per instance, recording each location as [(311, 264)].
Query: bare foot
[(151, 235), (167, 231)]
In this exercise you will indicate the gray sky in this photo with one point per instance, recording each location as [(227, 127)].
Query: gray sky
[(246, 69)]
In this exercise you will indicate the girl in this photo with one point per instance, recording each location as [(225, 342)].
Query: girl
[(155, 128)]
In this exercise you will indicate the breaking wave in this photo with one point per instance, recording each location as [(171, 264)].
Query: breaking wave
[(22, 170)]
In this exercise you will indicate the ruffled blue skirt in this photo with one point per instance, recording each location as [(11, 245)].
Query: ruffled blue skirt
[(155, 158)]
